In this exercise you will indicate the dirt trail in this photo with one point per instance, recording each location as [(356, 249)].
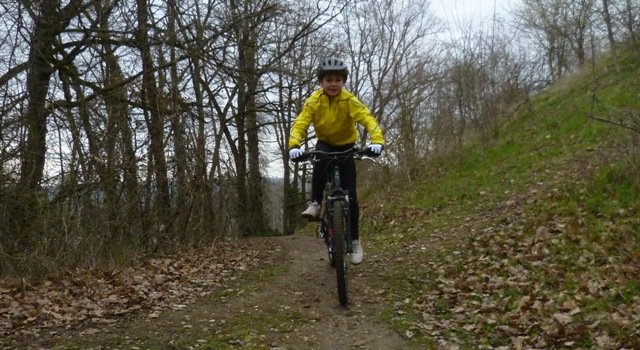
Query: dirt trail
[(311, 284), (291, 303)]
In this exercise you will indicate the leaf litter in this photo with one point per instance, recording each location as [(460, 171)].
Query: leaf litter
[(106, 297), (503, 278)]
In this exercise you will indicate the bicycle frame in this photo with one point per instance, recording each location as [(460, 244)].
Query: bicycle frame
[(335, 224), (337, 193)]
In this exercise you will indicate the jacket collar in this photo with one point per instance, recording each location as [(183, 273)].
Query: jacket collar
[(341, 95)]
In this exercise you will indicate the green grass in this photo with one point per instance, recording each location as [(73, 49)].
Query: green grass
[(542, 221)]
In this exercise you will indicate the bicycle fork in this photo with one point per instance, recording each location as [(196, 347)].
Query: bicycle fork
[(326, 230)]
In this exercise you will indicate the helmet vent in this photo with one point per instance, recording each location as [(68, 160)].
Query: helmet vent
[(332, 64)]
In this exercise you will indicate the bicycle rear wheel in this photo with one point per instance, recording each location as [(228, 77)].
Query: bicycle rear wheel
[(340, 251)]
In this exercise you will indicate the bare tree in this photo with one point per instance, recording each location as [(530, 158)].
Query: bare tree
[(201, 186), (388, 43), (579, 18), (292, 79), (50, 20), (119, 147), (541, 20), (631, 18), (176, 117), (249, 17), (606, 15), (560, 29), (150, 99), (253, 25)]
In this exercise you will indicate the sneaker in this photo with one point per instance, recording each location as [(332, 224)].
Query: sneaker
[(357, 254), (312, 212)]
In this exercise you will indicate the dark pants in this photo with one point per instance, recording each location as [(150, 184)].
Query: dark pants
[(348, 177)]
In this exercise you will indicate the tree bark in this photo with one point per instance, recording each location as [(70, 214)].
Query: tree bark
[(250, 202), (120, 160), (201, 185), (49, 21), (631, 25), (46, 28), (608, 22), (177, 126), (155, 124)]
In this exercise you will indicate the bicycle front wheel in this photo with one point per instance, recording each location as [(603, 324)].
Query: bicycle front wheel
[(340, 250)]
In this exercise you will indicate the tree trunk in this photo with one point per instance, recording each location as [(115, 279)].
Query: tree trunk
[(120, 160), (631, 26), (250, 202), (201, 186), (50, 20), (288, 190), (256, 196), (155, 125), (46, 28), (608, 22), (177, 126)]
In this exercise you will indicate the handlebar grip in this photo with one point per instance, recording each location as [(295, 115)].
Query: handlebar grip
[(367, 152), (303, 157)]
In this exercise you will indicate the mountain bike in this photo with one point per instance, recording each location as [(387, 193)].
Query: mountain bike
[(335, 223)]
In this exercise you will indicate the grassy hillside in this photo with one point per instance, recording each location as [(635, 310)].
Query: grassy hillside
[(530, 242)]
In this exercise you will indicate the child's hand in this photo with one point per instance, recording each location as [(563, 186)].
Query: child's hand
[(295, 153), (375, 149)]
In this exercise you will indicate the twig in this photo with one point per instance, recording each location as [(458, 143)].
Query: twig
[(633, 127)]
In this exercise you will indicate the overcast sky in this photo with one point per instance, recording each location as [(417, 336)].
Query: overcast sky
[(463, 15), (465, 10)]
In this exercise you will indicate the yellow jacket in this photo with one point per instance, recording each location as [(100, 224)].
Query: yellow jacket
[(335, 122)]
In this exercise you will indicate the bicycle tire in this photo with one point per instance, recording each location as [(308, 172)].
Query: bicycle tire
[(340, 251), (329, 244)]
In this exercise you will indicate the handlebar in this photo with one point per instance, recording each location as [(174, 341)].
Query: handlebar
[(354, 152)]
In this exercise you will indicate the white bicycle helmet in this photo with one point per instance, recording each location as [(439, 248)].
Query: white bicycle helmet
[(332, 65)]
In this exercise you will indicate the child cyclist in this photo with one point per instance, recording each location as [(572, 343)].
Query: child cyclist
[(334, 113)]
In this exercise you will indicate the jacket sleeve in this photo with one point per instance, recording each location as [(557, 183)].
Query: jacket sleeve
[(363, 116), (300, 125)]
